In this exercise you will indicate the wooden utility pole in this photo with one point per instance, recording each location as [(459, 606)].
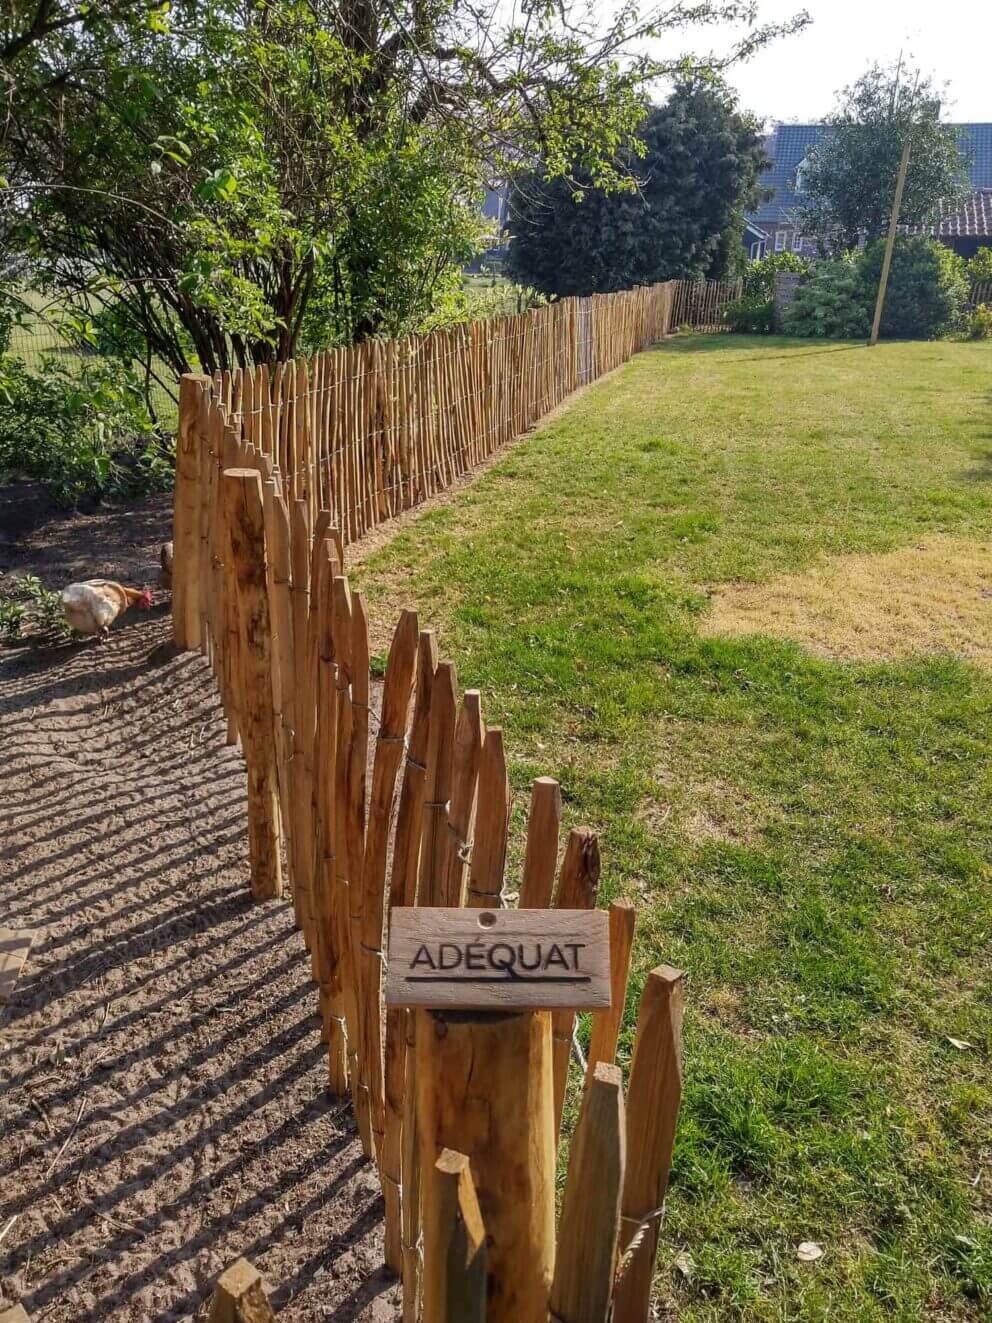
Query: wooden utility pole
[(890, 244)]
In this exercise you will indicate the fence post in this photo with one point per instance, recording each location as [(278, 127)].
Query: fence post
[(654, 1092), (590, 1215), (465, 759), (484, 1088), (389, 748), (399, 1158), (606, 1024), (240, 1296), (541, 858), (242, 498), (454, 1245), (488, 864), (186, 587), (578, 885)]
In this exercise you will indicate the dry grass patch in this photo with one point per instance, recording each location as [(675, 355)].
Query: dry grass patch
[(704, 811), (934, 597)]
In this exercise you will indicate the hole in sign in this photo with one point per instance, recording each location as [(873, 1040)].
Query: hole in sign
[(486, 919)]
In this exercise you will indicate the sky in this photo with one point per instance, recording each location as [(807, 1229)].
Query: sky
[(796, 78)]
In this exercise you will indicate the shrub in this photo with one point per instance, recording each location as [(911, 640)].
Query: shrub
[(759, 277), (31, 611), (927, 291), (830, 302), (978, 269), (82, 432), (751, 315), (11, 619), (115, 336), (979, 323)]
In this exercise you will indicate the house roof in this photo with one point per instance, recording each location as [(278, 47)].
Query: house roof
[(790, 144), (968, 220)]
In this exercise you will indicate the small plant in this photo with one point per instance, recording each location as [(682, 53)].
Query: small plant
[(32, 611), (751, 315), (978, 269), (82, 430), (979, 323), (831, 303), (11, 619), (759, 277)]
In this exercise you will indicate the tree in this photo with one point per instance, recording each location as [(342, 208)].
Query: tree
[(698, 170), (849, 178), (238, 177), (927, 291)]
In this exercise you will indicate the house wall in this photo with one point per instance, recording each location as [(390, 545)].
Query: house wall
[(786, 238), (967, 246)]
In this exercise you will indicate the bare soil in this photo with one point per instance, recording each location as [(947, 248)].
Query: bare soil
[(163, 1106)]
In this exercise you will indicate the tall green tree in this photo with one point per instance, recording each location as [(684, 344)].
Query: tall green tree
[(849, 178), (697, 169), (236, 178)]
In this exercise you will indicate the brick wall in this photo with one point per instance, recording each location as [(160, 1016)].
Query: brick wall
[(786, 284)]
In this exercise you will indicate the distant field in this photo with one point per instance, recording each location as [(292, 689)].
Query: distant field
[(495, 295), (36, 339), (488, 295), (738, 599)]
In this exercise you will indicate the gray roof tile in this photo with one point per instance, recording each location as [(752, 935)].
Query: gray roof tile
[(970, 220), (790, 144)]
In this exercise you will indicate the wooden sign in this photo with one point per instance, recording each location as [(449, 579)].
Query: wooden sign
[(15, 943), (493, 960)]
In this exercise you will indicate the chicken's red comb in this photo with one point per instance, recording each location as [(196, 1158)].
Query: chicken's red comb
[(145, 600)]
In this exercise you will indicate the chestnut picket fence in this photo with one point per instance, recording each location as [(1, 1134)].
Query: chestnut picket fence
[(699, 304), (364, 796)]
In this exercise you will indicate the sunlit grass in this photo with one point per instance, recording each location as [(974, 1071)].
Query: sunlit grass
[(808, 838)]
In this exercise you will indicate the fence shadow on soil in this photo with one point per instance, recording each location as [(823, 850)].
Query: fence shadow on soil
[(164, 1105)]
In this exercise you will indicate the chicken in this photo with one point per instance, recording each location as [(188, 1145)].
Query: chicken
[(165, 573), (92, 607)]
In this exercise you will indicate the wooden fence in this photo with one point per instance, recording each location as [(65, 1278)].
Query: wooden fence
[(362, 798), (980, 293), (369, 431), (699, 304)]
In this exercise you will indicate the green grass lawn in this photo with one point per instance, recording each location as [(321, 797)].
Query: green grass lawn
[(808, 838)]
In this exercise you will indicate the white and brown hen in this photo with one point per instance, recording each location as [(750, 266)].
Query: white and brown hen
[(92, 606)]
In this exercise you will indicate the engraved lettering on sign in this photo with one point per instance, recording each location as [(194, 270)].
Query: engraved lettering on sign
[(522, 962), (468, 959)]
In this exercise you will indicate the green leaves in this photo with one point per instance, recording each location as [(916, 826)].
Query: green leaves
[(667, 209), (158, 17), (221, 184), (298, 172), (70, 425), (174, 148), (849, 179)]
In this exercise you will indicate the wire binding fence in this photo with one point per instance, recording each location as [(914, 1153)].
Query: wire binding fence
[(359, 802), (699, 304), (371, 430)]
